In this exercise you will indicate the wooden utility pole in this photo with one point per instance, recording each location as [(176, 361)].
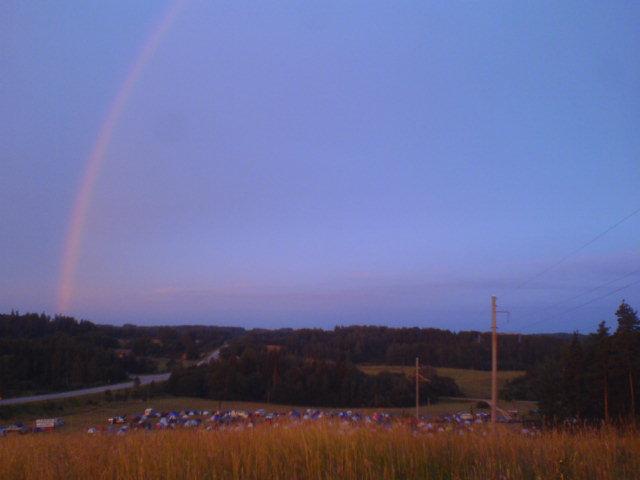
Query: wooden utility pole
[(494, 361), (606, 398), (417, 389), (632, 397)]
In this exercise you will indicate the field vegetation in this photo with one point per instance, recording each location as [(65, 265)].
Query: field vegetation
[(472, 383), (79, 414), (323, 451)]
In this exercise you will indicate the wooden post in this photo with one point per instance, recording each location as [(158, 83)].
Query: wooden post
[(632, 397), (494, 361), (417, 389), (606, 399)]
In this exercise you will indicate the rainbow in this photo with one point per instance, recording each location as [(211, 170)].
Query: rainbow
[(76, 225)]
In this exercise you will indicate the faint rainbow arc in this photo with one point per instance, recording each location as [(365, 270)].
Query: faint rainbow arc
[(82, 202)]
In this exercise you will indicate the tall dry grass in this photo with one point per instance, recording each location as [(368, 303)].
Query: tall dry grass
[(321, 451)]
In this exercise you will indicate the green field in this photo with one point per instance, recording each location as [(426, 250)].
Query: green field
[(83, 412), (82, 416), (473, 383)]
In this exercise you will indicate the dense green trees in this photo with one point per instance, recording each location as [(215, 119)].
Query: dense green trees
[(55, 358), (260, 375), (595, 378), (172, 341), (400, 346), (41, 354)]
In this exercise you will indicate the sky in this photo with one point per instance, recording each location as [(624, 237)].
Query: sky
[(299, 164)]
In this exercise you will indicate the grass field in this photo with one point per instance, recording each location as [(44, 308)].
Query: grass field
[(473, 383), (83, 412), (82, 416), (322, 451)]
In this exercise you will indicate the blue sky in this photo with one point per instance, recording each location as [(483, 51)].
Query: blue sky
[(290, 164)]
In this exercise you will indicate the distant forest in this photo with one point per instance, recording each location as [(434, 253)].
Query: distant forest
[(41, 354), (271, 375), (400, 346)]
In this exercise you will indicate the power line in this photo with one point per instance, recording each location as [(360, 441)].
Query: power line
[(577, 250), (593, 289), (582, 305)]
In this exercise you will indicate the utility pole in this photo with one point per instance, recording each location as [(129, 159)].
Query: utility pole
[(420, 378), (417, 389), (606, 398), (633, 397), (494, 361)]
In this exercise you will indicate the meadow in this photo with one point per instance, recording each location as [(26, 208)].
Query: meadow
[(82, 413), (473, 383), (323, 451)]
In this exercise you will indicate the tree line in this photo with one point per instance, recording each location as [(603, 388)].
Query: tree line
[(39, 353), (400, 346), (261, 375), (593, 378)]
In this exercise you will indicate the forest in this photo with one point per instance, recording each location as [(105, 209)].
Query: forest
[(593, 378), (41, 354), (270, 375), (400, 346)]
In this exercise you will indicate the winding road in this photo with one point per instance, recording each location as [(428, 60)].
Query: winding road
[(212, 356), (144, 380)]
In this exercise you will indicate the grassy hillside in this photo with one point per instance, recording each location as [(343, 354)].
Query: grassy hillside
[(473, 383)]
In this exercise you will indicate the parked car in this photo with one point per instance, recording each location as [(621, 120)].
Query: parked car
[(16, 428)]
